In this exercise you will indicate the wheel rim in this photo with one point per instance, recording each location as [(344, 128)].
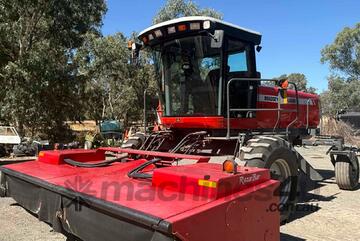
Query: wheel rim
[(280, 171)]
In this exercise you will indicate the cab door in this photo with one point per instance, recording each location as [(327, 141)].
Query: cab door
[(240, 63)]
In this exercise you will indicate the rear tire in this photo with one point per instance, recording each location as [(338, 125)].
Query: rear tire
[(2, 151), (2, 191), (71, 237), (346, 174), (276, 154), (2, 185)]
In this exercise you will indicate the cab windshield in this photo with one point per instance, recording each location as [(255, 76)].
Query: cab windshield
[(190, 73)]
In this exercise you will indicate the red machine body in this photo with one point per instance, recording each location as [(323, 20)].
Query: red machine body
[(192, 202), (214, 104), (309, 113)]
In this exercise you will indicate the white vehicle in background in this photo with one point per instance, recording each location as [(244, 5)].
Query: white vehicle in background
[(9, 137)]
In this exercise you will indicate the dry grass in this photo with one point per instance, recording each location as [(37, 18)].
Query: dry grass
[(330, 126), (84, 126)]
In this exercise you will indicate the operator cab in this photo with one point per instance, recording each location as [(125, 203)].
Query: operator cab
[(196, 57)]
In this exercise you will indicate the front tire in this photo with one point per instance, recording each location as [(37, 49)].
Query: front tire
[(346, 172), (2, 151), (275, 153)]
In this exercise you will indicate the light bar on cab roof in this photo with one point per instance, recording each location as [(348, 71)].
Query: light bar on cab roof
[(158, 33), (194, 26), (171, 30), (206, 24), (180, 27)]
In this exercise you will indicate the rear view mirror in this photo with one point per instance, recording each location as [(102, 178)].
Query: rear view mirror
[(217, 39)]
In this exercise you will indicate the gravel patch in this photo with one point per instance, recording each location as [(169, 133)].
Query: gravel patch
[(337, 217)]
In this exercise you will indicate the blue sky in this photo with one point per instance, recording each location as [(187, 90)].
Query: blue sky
[(294, 31)]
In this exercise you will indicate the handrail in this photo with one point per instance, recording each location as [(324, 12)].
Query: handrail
[(279, 109), (144, 112), (307, 113), (297, 109)]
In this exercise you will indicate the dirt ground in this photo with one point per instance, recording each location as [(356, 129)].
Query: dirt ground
[(334, 214), (337, 217)]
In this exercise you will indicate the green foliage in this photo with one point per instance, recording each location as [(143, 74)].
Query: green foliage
[(300, 80), (181, 8), (343, 57), (55, 66), (38, 39), (114, 88), (344, 53), (341, 95)]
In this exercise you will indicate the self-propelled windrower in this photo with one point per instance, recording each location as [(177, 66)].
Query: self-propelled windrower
[(221, 166)]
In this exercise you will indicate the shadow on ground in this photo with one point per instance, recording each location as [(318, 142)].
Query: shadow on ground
[(310, 191), (327, 174), (287, 237), (310, 196), (302, 210)]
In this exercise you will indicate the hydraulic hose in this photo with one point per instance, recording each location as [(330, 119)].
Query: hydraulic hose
[(135, 173), (102, 163)]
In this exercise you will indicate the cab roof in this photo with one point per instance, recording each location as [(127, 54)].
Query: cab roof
[(230, 29)]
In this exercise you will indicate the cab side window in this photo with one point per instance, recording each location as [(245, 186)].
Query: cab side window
[(237, 62), (242, 93)]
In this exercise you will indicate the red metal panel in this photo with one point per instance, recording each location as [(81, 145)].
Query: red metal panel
[(238, 213), (208, 122), (113, 185), (245, 215), (165, 155), (57, 156), (80, 155), (186, 178), (264, 119)]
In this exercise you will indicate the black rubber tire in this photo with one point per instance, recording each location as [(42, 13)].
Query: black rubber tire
[(72, 238), (2, 151), (2, 191), (346, 174), (2, 185), (263, 152), (135, 141)]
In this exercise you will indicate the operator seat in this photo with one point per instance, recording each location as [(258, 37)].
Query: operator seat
[(204, 101), (213, 76), (212, 79)]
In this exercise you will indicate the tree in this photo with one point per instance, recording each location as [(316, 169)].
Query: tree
[(343, 57), (341, 95), (344, 53), (38, 39), (114, 87), (300, 80), (181, 8)]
